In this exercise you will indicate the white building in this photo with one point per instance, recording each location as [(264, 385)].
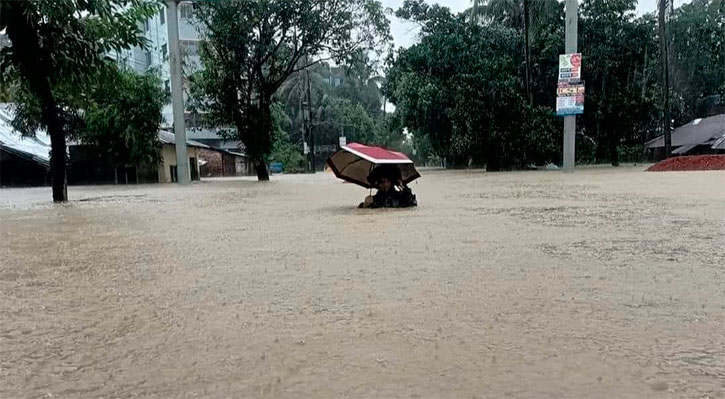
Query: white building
[(156, 55)]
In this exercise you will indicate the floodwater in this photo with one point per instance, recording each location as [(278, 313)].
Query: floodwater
[(609, 283)]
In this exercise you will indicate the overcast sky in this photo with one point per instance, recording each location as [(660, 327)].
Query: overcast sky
[(404, 33)]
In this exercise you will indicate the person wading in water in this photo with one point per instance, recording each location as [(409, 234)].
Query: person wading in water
[(392, 193)]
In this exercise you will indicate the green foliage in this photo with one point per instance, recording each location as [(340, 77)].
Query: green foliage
[(6, 95), (293, 96), (360, 84), (339, 116), (251, 48), (283, 150), (123, 116), (81, 32), (614, 45), (57, 48), (697, 40), (461, 89), (456, 87), (389, 133), (345, 100)]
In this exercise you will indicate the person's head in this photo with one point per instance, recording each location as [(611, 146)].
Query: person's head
[(384, 184), (384, 177)]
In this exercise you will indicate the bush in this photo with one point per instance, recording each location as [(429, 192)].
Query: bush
[(289, 155)]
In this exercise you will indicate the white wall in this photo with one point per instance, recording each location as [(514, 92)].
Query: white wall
[(168, 158), (156, 34)]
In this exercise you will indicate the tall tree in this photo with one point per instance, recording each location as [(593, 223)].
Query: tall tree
[(527, 50), (526, 16), (612, 56), (122, 117), (696, 37), (292, 95), (663, 8), (56, 47), (361, 83), (251, 48), (456, 86)]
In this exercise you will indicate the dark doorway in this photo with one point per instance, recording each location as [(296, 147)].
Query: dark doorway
[(194, 169)]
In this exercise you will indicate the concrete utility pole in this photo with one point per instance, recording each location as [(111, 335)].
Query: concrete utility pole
[(570, 44), (177, 93)]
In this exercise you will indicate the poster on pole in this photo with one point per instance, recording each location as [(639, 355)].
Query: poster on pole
[(570, 91), (570, 67), (569, 105), (570, 99)]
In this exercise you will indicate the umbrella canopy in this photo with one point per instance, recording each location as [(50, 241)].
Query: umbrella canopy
[(355, 162)]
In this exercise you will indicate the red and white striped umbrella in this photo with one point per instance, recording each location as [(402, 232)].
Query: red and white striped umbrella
[(354, 163)]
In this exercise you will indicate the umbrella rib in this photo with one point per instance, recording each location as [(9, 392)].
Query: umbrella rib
[(343, 169)]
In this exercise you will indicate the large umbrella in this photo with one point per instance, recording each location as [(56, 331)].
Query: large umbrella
[(354, 163)]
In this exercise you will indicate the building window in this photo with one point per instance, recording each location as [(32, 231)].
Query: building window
[(167, 87), (148, 58), (190, 48), (162, 15), (165, 51), (146, 25), (186, 10)]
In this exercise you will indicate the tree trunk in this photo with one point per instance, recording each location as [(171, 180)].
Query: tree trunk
[(493, 158), (261, 167), (644, 74), (526, 53), (665, 78), (260, 144), (58, 162), (611, 133), (600, 154), (613, 141), (26, 49)]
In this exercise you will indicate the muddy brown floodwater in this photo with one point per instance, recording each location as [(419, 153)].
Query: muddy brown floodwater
[(602, 284)]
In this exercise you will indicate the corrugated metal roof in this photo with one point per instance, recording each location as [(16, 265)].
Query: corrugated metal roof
[(239, 154), (169, 138), (34, 148), (201, 133), (213, 138), (697, 132), (38, 148), (683, 149), (719, 144)]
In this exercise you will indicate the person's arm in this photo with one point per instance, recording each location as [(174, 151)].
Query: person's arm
[(368, 203)]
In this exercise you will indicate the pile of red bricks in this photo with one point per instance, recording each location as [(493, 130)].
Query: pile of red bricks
[(695, 162)]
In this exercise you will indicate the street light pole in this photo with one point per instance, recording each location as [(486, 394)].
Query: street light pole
[(570, 44), (177, 93)]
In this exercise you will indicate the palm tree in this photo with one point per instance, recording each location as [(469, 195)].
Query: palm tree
[(507, 12), (362, 84), (293, 95)]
